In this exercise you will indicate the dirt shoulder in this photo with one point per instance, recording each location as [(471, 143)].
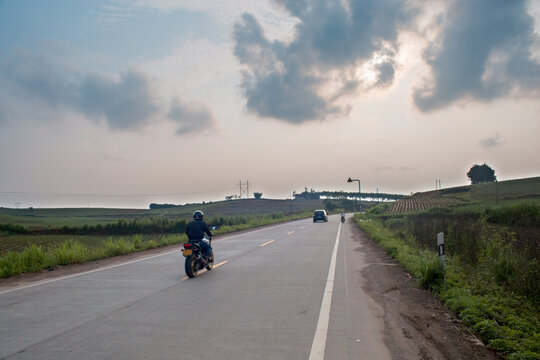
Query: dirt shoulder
[(417, 325)]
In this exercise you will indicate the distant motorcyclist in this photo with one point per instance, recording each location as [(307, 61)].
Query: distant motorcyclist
[(195, 231), (342, 215)]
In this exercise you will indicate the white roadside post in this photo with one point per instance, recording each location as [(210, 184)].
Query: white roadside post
[(441, 251)]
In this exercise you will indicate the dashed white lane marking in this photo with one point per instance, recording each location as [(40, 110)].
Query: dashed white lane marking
[(266, 243), (319, 340), (290, 232)]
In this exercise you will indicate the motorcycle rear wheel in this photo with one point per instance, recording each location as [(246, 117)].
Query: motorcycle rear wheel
[(191, 266)]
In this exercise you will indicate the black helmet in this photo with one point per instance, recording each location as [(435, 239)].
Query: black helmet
[(198, 215)]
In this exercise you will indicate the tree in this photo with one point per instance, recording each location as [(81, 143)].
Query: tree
[(257, 195), (481, 174)]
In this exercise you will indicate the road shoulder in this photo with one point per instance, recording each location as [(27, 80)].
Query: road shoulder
[(417, 325)]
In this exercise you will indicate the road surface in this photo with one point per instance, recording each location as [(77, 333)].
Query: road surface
[(289, 291)]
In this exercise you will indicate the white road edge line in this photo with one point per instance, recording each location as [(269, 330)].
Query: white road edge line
[(87, 272), (131, 262), (319, 340)]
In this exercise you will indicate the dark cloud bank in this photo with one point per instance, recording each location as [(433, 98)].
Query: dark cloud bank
[(124, 102), (483, 53)]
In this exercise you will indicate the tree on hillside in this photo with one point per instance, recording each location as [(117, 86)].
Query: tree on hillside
[(257, 195), (481, 174)]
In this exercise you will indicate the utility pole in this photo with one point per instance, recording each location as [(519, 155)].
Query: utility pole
[(244, 190)]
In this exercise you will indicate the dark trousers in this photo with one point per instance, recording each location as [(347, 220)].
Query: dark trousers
[(204, 247)]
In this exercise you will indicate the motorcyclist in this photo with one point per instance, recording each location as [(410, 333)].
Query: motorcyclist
[(342, 215), (195, 231)]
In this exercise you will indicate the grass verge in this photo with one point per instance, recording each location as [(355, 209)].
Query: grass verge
[(507, 322)]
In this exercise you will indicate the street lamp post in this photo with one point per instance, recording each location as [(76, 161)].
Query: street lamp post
[(349, 180)]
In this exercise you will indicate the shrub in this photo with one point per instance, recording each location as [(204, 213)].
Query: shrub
[(137, 242), (524, 214), (117, 247), (33, 258), (431, 273), (395, 223), (70, 252)]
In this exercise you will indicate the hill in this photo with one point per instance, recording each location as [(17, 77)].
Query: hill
[(487, 194)]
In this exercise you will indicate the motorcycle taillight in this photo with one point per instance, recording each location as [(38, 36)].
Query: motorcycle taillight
[(187, 246)]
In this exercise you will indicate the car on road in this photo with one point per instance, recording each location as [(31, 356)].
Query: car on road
[(320, 215)]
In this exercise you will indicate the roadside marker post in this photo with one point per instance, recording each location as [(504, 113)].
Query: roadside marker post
[(440, 247), (441, 251)]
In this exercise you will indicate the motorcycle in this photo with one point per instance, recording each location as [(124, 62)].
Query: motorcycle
[(342, 218), (195, 260)]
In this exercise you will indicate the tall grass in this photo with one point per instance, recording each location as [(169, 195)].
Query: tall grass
[(502, 243), (35, 258)]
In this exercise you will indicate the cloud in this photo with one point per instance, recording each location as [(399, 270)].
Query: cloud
[(385, 73), (191, 118), (309, 77), (126, 101), (39, 76), (490, 142), (483, 53)]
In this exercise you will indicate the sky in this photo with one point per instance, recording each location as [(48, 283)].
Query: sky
[(116, 103)]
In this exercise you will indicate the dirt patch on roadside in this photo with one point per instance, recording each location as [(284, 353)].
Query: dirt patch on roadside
[(417, 325)]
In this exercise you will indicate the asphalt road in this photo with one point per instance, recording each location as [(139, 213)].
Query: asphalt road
[(290, 291)]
